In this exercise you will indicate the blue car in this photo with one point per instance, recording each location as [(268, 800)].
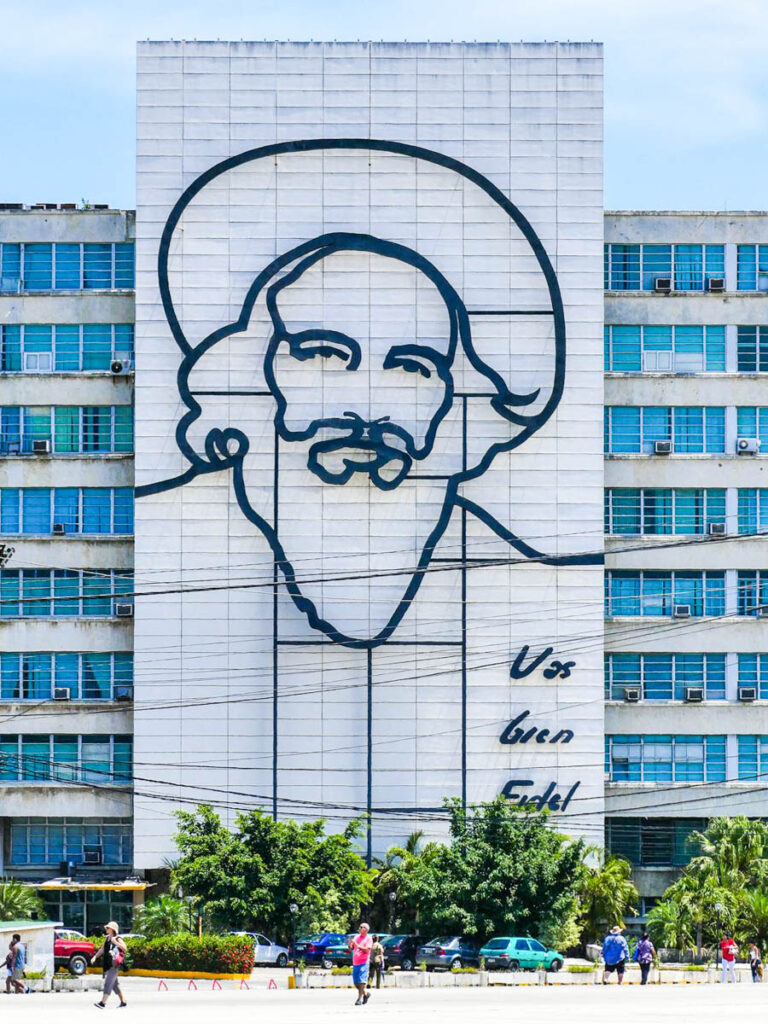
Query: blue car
[(449, 953), (326, 948)]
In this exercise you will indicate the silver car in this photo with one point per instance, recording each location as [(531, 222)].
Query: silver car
[(265, 951)]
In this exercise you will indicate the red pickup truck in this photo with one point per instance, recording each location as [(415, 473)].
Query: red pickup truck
[(71, 950)]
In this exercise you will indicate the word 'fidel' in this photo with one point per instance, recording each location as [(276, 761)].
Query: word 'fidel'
[(549, 799)]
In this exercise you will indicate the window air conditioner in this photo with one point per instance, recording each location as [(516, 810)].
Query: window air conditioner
[(124, 693), (58, 530), (747, 446), (716, 284), (632, 694), (92, 854), (124, 610), (120, 367), (662, 447), (747, 694), (662, 285), (693, 694), (681, 611), (41, 447), (61, 693), (716, 529), (762, 611)]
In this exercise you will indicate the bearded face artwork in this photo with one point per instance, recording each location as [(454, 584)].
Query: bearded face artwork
[(354, 394)]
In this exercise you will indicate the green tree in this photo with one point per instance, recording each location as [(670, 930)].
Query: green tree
[(392, 877), (248, 878), (504, 871), (667, 926), (753, 926), (606, 893), (733, 853), (18, 901), (165, 915)]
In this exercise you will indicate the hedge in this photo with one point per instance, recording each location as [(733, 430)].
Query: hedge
[(227, 954)]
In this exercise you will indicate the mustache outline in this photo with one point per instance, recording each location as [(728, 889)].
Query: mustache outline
[(385, 455)]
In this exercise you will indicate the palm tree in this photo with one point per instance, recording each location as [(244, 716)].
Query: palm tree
[(668, 925), (399, 865), (165, 915), (734, 852), (18, 901), (754, 919), (606, 894)]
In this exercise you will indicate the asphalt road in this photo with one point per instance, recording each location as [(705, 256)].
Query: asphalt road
[(704, 1004)]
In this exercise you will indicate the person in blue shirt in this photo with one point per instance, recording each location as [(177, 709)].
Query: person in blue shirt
[(615, 954)]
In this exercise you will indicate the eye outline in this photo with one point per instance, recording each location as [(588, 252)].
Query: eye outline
[(406, 357), (332, 343)]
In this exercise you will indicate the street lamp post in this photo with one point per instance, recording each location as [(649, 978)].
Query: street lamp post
[(190, 900), (392, 898), (294, 911), (719, 908)]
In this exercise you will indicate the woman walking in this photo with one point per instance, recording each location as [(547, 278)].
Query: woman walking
[(755, 963), (377, 962), (644, 954), (112, 953)]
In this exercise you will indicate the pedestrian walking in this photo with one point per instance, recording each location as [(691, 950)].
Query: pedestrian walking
[(112, 955), (615, 954), (644, 954), (377, 962), (755, 962), (728, 951), (361, 953), (15, 962)]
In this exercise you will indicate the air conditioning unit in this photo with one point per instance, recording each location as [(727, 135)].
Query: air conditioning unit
[(124, 610), (632, 694), (762, 611), (716, 529), (124, 693), (58, 530), (61, 693), (662, 447), (681, 611), (716, 284), (747, 694), (41, 447), (120, 367), (693, 694), (747, 446), (93, 854), (662, 285)]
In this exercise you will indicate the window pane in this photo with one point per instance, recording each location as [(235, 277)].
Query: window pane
[(97, 428), (36, 676), (36, 510), (97, 346), (97, 265), (657, 510), (97, 510), (10, 676), (123, 519), (66, 508), (97, 590), (38, 260), (66, 589), (67, 347), (625, 349), (67, 265), (10, 510), (35, 758), (10, 585), (123, 429), (96, 676), (657, 262), (67, 439), (96, 759), (65, 758), (746, 274), (715, 348), (67, 672), (624, 429), (10, 348), (124, 265), (36, 592)]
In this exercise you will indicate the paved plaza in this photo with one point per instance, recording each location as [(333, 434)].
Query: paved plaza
[(705, 1004)]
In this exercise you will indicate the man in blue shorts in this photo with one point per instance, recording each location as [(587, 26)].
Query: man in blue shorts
[(361, 954), (615, 954)]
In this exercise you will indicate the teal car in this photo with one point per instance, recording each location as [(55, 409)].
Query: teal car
[(511, 954)]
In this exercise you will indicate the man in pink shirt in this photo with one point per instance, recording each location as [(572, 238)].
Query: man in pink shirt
[(361, 954)]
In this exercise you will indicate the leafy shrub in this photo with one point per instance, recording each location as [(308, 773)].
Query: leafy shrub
[(579, 969), (225, 954), (696, 967), (341, 970)]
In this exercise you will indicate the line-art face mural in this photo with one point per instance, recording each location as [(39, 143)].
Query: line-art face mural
[(366, 352)]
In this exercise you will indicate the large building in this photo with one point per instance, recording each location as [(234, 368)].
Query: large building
[(370, 491)]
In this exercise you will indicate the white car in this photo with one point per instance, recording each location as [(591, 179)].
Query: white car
[(265, 951)]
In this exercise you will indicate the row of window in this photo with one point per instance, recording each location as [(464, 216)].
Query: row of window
[(665, 676), (63, 348), (68, 430), (653, 842), (634, 348), (664, 758), (50, 841), (692, 430), (87, 676), (636, 511), (66, 510), (96, 760), (657, 592), (70, 266), (688, 268), (62, 593)]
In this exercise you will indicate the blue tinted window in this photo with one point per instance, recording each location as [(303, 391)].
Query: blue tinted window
[(97, 510), (38, 266), (124, 265), (123, 517), (10, 510), (10, 266), (36, 510), (97, 265), (97, 346), (66, 508), (10, 348), (68, 275)]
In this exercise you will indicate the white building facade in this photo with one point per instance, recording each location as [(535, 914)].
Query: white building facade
[(369, 479), (66, 520)]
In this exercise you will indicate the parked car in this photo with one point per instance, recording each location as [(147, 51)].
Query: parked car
[(512, 954), (298, 948), (400, 951), (71, 950), (265, 951), (450, 953), (321, 948)]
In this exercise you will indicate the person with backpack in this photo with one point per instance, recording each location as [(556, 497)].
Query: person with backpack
[(112, 953), (644, 954)]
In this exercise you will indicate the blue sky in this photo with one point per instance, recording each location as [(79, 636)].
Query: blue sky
[(686, 83)]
